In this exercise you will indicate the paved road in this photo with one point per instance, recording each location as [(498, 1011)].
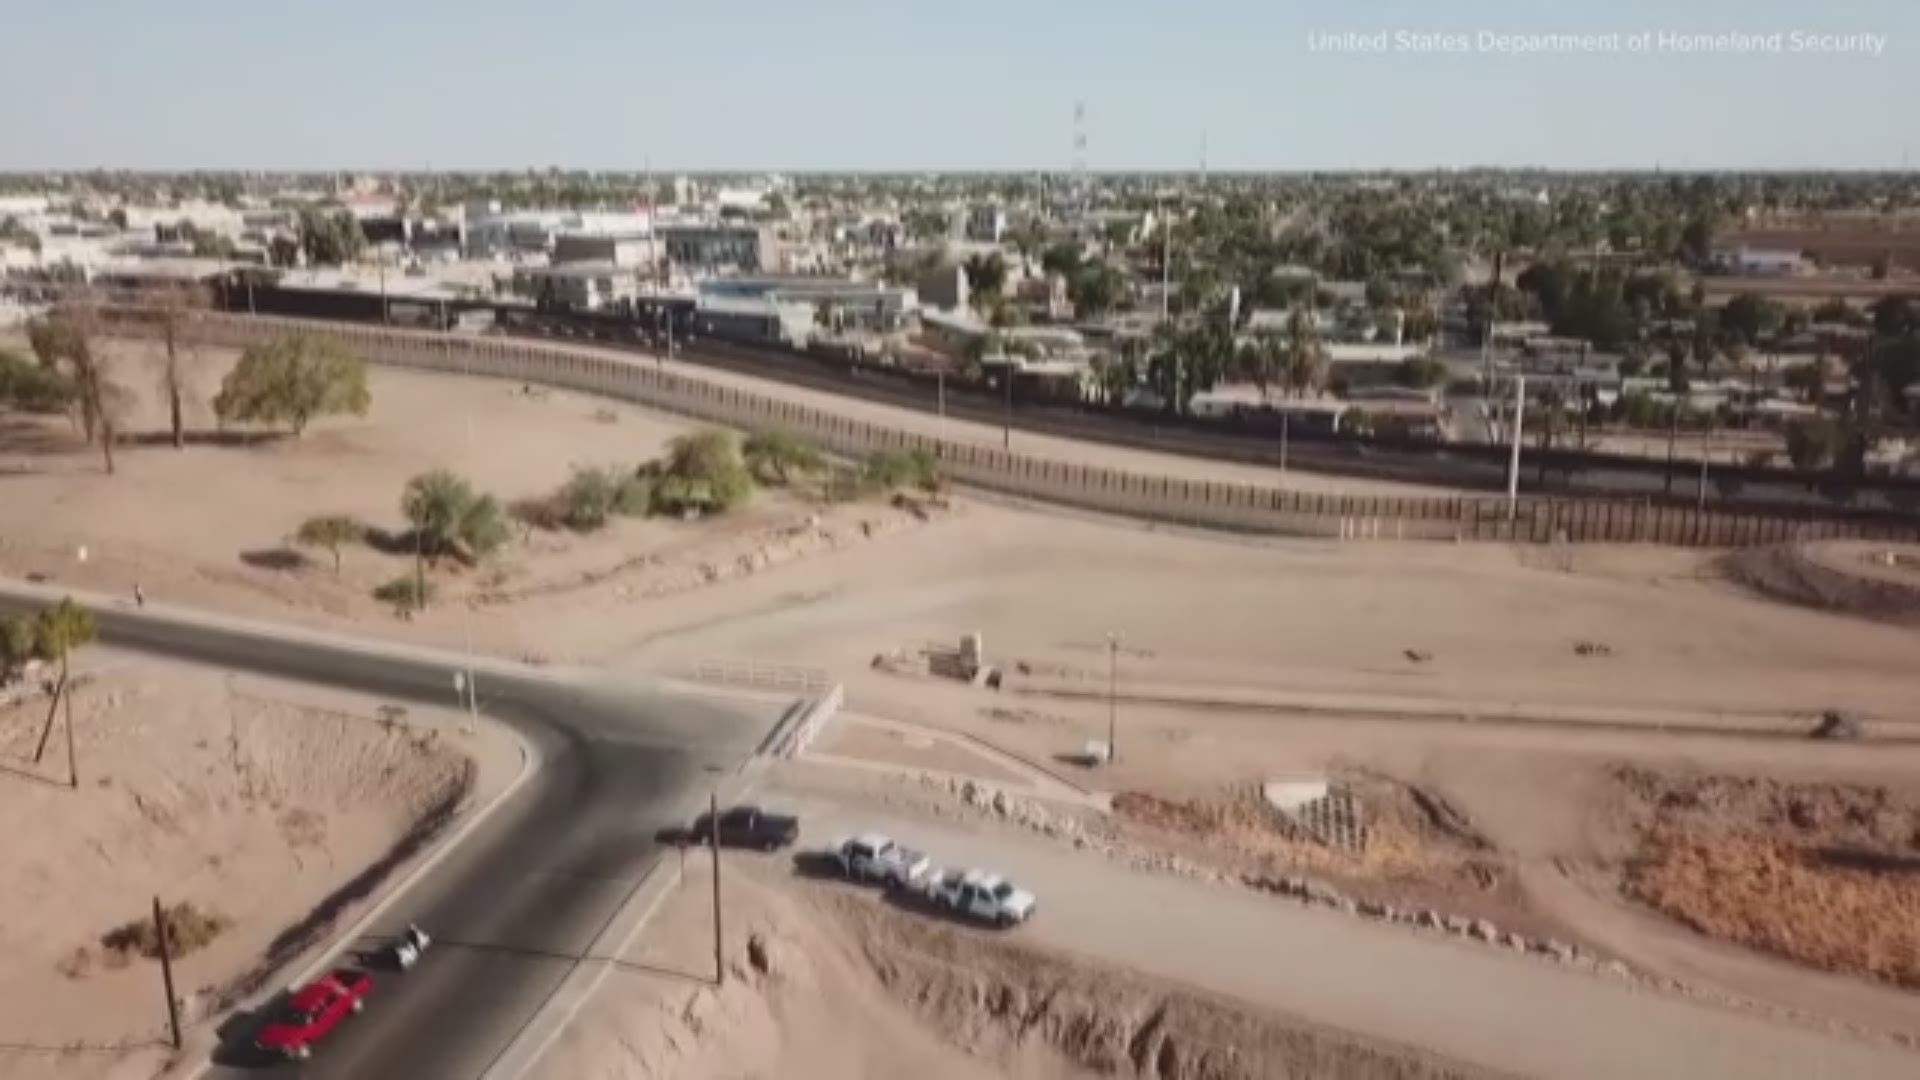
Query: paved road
[(1462, 999), (528, 890)]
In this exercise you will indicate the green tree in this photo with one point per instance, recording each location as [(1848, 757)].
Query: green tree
[(64, 342), (1750, 318), (1811, 443), (1063, 258), (58, 631), (1305, 366), (1420, 372), (1095, 288), (31, 386), (331, 531), (330, 239), (1261, 361), (986, 276), (703, 471), (775, 457), (293, 379), (450, 518), (19, 640)]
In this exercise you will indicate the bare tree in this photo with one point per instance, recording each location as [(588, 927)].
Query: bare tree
[(67, 339), (177, 306)]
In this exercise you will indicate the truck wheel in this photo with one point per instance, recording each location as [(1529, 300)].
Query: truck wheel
[(359, 1005), (1003, 920), (301, 1052)]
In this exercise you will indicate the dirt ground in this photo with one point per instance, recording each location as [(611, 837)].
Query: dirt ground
[(251, 800), (1454, 671), (1821, 873), (845, 986), (215, 520)]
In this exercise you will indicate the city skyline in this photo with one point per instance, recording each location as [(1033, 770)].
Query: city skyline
[(855, 86)]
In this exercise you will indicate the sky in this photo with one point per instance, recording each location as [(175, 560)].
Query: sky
[(960, 84)]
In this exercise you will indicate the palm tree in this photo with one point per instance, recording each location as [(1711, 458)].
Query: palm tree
[(1305, 358), (60, 629), (1261, 360)]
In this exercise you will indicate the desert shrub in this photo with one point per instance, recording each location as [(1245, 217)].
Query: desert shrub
[(451, 518), (32, 387), (406, 591), (333, 532), (916, 468), (702, 471), (537, 512), (586, 500), (776, 457), (188, 930)]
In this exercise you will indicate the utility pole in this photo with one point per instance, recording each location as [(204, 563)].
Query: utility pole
[(73, 771), (1006, 429), (713, 842), (940, 391), (1285, 415), (166, 970), (1113, 695), (1513, 459), (1705, 452)]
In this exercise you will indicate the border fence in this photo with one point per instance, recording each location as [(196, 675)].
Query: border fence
[(1209, 504)]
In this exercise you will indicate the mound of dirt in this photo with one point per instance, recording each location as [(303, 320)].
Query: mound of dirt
[(1000, 999), (1824, 874), (1829, 577), (1420, 850)]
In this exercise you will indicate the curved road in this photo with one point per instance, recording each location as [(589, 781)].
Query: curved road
[(524, 895)]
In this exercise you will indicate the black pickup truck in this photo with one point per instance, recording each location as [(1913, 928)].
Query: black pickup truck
[(745, 827)]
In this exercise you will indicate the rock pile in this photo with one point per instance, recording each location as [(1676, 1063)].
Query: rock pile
[(1320, 894)]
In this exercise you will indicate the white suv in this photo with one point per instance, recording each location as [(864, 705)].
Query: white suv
[(873, 857), (981, 895)]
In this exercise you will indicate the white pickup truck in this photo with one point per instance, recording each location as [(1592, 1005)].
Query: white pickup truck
[(873, 857), (980, 895)]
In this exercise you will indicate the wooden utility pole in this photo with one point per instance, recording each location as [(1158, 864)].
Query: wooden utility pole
[(713, 842), (73, 771), (166, 970)]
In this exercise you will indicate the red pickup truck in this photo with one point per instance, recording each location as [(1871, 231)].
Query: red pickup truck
[(315, 1010)]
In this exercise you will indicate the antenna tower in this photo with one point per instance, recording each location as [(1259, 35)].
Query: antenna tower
[(1080, 152)]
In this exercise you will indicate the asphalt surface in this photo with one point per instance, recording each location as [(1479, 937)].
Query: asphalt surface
[(523, 896)]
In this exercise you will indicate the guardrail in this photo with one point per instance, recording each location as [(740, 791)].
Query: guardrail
[(760, 676), (1231, 506), (818, 713)]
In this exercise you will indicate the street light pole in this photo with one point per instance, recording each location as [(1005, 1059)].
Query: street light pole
[(1006, 430), (713, 844), (1113, 687), (1513, 459)]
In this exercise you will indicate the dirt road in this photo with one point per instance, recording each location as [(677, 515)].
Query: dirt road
[(1508, 1012)]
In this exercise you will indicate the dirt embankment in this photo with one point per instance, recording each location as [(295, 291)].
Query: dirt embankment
[(1824, 874), (999, 998), (1878, 582), (263, 817), (1419, 851)]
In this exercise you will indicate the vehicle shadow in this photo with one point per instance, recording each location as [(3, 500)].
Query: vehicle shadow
[(818, 866), (238, 1031)]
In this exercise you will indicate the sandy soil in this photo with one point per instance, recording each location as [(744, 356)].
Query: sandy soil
[(814, 1011), (250, 799), (848, 987), (215, 520)]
